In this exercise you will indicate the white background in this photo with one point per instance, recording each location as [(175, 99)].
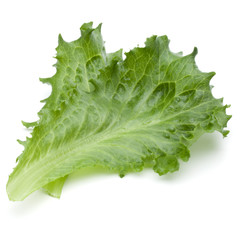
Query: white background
[(201, 201)]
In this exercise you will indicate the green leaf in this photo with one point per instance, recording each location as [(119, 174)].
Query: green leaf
[(117, 114), (54, 188)]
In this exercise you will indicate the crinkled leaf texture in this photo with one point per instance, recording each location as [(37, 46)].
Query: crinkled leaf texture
[(118, 114)]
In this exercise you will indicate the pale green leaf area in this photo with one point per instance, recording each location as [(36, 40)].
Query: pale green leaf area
[(122, 115)]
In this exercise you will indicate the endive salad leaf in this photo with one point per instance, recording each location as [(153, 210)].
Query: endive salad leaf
[(118, 114)]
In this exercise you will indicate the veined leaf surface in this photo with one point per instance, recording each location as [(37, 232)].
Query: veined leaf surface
[(117, 114)]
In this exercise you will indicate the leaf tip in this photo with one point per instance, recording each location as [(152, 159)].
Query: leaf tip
[(86, 27), (212, 74), (29, 124), (60, 39), (45, 80), (194, 52), (21, 142), (225, 133), (99, 27)]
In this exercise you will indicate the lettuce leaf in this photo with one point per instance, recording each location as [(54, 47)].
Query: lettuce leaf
[(145, 110)]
